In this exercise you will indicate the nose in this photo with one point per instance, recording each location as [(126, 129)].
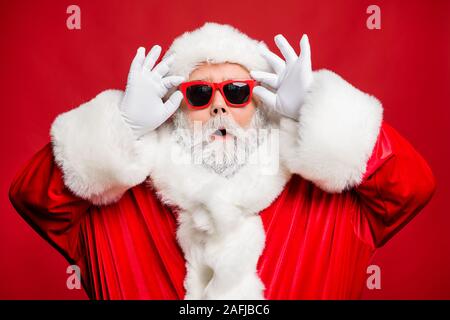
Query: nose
[(217, 110), (218, 105)]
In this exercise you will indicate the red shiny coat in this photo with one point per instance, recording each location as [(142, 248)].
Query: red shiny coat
[(318, 244)]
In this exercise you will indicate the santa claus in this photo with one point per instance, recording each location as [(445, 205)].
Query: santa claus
[(223, 172)]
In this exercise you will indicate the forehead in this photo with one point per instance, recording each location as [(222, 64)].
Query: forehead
[(219, 72)]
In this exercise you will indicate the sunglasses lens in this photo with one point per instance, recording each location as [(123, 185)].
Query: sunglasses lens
[(237, 92), (199, 94)]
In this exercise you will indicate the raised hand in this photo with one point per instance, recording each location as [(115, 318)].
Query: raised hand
[(291, 80), (142, 106)]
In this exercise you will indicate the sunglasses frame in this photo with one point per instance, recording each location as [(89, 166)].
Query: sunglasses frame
[(216, 86)]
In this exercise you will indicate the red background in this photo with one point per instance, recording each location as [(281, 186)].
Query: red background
[(47, 69)]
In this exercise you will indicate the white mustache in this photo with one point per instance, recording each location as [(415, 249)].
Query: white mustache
[(197, 133), (221, 122)]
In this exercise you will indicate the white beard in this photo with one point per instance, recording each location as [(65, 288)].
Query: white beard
[(224, 157)]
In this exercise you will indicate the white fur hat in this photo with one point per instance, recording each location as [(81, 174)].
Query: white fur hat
[(215, 43)]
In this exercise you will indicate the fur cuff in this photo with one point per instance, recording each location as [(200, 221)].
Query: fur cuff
[(337, 130), (97, 152)]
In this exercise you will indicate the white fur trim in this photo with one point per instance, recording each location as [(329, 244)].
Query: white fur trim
[(337, 130), (96, 150), (215, 43), (220, 231)]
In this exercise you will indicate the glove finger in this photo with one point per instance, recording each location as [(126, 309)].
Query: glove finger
[(267, 97), (172, 104), (285, 48), (172, 81), (167, 83), (275, 61), (270, 79), (152, 56), (138, 59), (305, 53), (163, 67)]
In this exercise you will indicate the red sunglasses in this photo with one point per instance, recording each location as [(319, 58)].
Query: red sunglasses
[(199, 94)]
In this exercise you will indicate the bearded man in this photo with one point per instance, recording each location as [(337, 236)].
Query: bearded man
[(223, 172)]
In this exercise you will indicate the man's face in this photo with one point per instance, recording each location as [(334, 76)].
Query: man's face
[(218, 73), (227, 135)]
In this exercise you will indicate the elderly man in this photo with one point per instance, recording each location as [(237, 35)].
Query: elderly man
[(223, 172)]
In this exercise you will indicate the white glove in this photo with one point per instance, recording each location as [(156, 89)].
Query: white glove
[(142, 106), (292, 78)]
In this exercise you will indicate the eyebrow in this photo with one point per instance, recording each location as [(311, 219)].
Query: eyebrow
[(223, 79)]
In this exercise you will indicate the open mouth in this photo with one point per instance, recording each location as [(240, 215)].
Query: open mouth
[(221, 132)]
